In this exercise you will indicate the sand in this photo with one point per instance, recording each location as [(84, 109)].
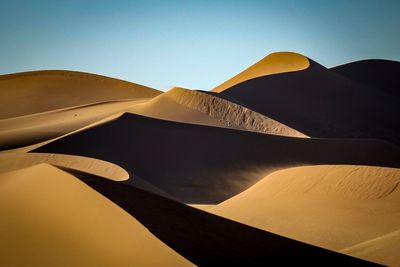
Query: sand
[(62, 89), (18, 160), (383, 249), (35, 128), (375, 73), (199, 164), (49, 218), (319, 102), (209, 240), (279, 62), (332, 206)]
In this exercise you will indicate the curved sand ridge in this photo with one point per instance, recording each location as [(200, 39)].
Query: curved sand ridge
[(332, 206), (278, 62), (17, 160), (40, 91), (50, 218), (229, 113), (383, 250)]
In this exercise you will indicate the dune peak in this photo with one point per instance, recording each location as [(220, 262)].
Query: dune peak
[(274, 63)]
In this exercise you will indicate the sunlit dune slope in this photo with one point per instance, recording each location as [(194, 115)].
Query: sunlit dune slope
[(333, 206), (375, 73), (50, 218), (40, 91), (179, 104), (279, 62), (206, 165), (383, 249), (321, 103), (31, 129), (209, 240)]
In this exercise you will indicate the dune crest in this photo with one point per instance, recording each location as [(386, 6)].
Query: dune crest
[(15, 160), (70, 224), (332, 206), (278, 62)]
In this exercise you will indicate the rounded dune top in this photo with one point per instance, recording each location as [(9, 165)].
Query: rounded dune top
[(40, 91), (278, 62)]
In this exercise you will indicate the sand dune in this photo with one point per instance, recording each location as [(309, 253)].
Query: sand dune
[(209, 240), (331, 206), (206, 165), (50, 218), (40, 91), (279, 62), (177, 104), (183, 105), (31, 129), (321, 103), (18, 160), (375, 73), (383, 250)]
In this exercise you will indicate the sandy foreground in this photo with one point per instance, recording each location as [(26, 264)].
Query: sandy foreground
[(59, 221)]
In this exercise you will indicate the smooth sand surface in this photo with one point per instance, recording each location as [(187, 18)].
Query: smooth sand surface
[(206, 165), (332, 206), (279, 62), (40, 91), (31, 129), (319, 102), (17, 160), (383, 250), (50, 218), (209, 240)]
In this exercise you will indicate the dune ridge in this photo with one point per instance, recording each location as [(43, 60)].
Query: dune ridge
[(278, 62), (234, 115)]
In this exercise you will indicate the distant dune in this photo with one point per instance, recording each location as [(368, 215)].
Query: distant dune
[(329, 205), (49, 218), (279, 62), (375, 73), (40, 91), (206, 165), (321, 103)]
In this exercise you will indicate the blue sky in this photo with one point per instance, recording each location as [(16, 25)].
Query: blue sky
[(194, 44)]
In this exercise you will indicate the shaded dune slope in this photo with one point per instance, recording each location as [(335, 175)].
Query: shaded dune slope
[(40, 91), (209, 240), (375, 73), (201, 164), (50, 218), (321, 103), (329, 206)]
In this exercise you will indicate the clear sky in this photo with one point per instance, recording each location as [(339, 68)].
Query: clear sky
[(194, 44)]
